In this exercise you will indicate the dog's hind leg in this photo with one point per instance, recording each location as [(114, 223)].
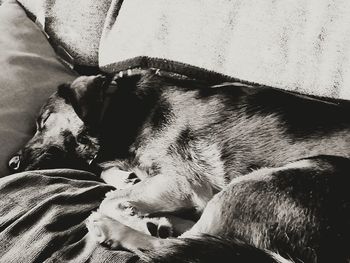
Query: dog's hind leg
[(228, 215), (287, 209)]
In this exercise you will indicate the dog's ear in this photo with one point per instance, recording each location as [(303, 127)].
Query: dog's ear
[(86, 95), (64, 91)]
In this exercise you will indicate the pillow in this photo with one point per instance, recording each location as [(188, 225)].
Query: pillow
[(30, 72), (75, 26), (296, 45)]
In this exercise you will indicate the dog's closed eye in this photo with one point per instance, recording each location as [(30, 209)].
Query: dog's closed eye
[(40, 123)]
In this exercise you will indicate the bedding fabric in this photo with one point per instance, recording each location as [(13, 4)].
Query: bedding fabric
[(42, 217), (30, 72)]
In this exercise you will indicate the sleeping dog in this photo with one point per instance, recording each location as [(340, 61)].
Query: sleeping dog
[(262, 169)]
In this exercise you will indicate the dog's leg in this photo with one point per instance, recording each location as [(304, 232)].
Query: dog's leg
[(199, 249), (158, 195), (162, 227), (137, 205), (115, 234), (191, 248), (228, 214), (120, 179), (156, 226)]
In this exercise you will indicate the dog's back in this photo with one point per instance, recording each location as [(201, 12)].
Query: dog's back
[(226, 131)]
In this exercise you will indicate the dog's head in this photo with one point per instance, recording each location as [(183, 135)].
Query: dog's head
[(66, 135)]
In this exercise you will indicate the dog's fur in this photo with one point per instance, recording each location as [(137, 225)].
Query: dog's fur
[(189, 144)]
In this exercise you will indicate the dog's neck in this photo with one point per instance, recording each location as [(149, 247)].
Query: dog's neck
[(123, 115)]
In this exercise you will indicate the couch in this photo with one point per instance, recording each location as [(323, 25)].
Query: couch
[(293, 45)]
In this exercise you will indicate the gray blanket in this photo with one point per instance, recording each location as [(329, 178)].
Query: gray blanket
[(42, 217)]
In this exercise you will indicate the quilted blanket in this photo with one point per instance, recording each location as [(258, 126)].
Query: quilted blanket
[(42, 216)]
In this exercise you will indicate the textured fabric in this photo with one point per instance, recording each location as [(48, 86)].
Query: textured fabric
[(74, 25), (30, 72), (42, 217), (291, 44)]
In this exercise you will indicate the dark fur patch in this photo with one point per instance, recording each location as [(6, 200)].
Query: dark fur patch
[(299, 212), (69, 141), (64, 91), (182, 146), (122, 121), (161, 115), (302, 116)]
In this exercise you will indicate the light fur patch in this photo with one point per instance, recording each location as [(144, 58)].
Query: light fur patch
[(115, 177), (298, 164)]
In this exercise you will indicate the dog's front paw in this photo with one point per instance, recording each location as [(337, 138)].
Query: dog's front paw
[(106, 230), (96, 227), (124, 212)]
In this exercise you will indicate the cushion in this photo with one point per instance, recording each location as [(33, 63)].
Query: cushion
[(30, 72), (74, 26), (292, 45)]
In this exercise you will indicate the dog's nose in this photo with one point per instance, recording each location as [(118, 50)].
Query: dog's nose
[(15, 162)]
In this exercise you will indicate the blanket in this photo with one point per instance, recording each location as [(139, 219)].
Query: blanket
[(42, 216), (296, 45)]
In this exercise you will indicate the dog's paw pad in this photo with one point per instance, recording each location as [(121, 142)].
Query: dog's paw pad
[(152, 228), (165, 231), (161, 229)]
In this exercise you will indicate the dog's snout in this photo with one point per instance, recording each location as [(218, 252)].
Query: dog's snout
[(15, 162)]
